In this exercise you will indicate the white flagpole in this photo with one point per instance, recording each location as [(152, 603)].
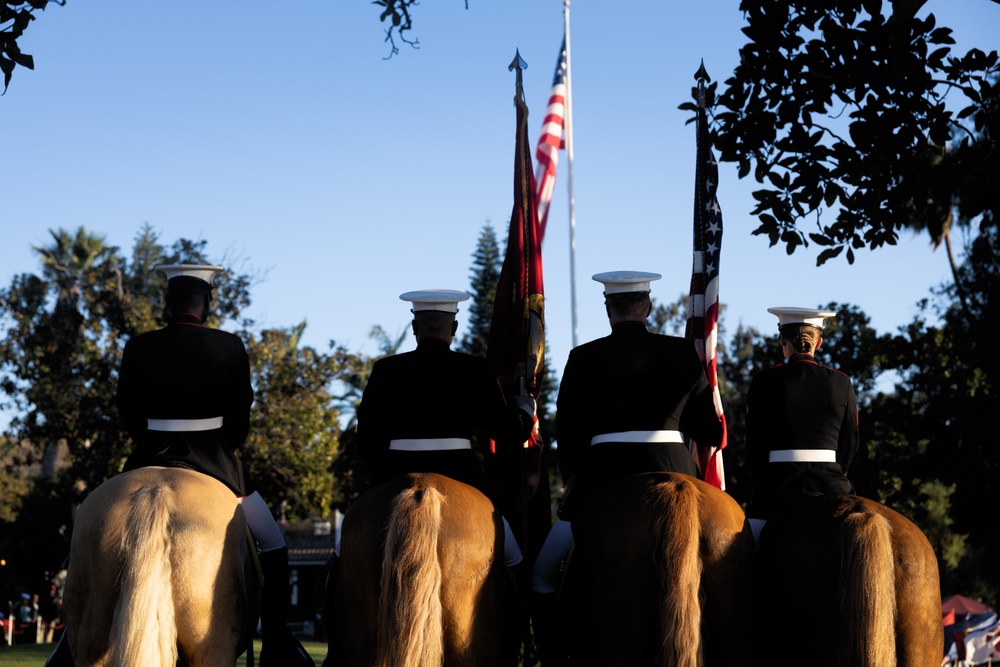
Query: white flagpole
[(568, 137)]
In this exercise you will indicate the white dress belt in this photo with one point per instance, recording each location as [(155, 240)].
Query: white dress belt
[(429, 444), (802, 456), (209, 424), (639, 436)]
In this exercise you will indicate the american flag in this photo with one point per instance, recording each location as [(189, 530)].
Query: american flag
[(550, 142), (703, 308)]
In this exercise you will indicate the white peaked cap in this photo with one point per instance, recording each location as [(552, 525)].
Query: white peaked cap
[(444, 300), (617, 282), (204, 272), (810, 316)]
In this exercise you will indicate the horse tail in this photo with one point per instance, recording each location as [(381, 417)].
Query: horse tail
[(143, 630), (409, 612), (868, 591), (677, 526)]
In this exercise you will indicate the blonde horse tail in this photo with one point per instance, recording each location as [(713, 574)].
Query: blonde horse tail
[(144, 631), (409, 611), (868, 591), (680, 610)]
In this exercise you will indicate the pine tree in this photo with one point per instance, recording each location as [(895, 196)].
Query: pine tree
[(486, 262)]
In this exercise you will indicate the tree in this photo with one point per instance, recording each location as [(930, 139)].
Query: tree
[(397, 13), (941, 420), (352, 475), (15, 16), (486, 262), (864, 123), (899, 157), (59, 354), (14, 484), (669, 319), (294, 430)]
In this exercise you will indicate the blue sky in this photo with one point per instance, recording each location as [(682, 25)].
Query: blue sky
[(282, 135)]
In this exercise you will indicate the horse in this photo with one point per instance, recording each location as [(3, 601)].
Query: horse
[(661, 573), (159, 572), (859, 580), (422, 579)]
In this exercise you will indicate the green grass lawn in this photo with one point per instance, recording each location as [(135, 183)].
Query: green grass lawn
[(34, 655)]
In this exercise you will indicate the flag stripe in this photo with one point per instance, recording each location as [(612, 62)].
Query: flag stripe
[(550, 141)]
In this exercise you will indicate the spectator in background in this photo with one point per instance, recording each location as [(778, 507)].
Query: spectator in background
[(50, 609), (25, 615)]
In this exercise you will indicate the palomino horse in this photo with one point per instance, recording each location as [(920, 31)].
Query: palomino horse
[(159, 573), (661, 574), (421, 580), (848, 582)]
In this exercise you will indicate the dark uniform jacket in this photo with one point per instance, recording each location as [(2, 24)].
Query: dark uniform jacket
[(187, 371), (632, 380), (799, 405), (435, 392)]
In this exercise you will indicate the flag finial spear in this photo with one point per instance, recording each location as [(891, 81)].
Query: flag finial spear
[(518, 64), (702, 74), (702, 77)]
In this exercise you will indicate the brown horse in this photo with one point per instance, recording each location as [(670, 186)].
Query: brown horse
[(159, 572), (661, 574), (421, 580), (848, 582)]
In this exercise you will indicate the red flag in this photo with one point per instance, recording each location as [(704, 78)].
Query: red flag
[(517, 332), (703, 308), (550, 141)]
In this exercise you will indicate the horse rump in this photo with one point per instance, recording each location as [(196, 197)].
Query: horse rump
[(393, 604), (661, 574), (147, 543), (857, 576)]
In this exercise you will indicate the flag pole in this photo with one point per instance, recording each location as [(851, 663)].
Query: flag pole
[(568, 138), (518, 65)]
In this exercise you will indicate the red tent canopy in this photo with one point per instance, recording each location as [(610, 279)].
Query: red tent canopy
[(962, 605)]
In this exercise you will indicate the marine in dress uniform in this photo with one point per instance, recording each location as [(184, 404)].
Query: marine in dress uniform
[(802, 421), (626, 404), (435, 409), (184, 396), (184, 392)]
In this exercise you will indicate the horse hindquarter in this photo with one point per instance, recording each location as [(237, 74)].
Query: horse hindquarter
[(156, 572), (143, 628), (117, 603), (659, 558), (393, 603), (410, 633)]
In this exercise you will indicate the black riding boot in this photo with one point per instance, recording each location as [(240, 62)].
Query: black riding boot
[(514, 628), (545, 628), (279, 647), (60, 657)]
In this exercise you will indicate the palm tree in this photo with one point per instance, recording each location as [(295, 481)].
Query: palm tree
[(66, 266)]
